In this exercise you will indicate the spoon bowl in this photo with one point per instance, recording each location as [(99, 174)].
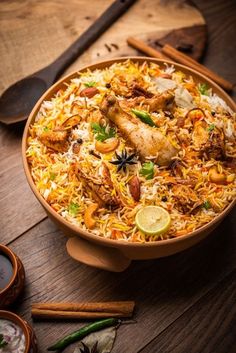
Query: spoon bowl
[(19, 99)]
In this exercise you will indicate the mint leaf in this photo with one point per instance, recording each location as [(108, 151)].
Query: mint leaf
[(211, 127), (73, 209), (203, 89), (90, 84), (206, 205), (147, 170)]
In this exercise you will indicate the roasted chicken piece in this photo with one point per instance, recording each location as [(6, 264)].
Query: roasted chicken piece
[(148, 141), (101, 187), (56, 139), (152, 104)]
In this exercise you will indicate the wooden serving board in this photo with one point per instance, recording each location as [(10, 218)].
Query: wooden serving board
[(34, 34)]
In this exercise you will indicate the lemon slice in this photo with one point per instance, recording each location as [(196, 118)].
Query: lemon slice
[(153, 220)]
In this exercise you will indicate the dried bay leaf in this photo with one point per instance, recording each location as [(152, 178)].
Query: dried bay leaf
[(104, 338)]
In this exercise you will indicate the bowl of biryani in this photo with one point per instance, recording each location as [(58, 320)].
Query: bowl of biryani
[(133, 158)]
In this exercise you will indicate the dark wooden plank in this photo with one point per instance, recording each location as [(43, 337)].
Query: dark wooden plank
[(163, 289), (220, 52), (19, 208), (209, 326)]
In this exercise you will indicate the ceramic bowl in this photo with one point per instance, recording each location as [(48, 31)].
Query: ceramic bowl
[(115, 255), (30, 339), (10, 293)]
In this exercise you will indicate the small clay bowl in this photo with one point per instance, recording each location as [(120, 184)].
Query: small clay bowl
[(9, 294), (30, 339)]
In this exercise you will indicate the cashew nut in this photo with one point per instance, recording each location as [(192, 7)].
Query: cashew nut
[(88, 215), (107, 145), (215, 177), (230, 178)]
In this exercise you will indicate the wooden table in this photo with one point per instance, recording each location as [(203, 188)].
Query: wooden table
[(185, 303)]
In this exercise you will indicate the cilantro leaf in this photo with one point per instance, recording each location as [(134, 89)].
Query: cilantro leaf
[(73, 209), (147, 170), (203, 89), (206, 205), (90, 84), (45, 129), (211, 127), (102, 133)]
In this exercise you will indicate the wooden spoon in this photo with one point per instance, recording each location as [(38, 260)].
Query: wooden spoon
[(19, 99)]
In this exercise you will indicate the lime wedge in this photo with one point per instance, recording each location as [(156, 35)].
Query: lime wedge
[(153, 220)]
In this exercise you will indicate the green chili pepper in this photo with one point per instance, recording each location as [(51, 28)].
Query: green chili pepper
[(81, 333), (143, 116)]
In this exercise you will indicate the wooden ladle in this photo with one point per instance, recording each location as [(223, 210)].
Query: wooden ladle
[(19, 99)]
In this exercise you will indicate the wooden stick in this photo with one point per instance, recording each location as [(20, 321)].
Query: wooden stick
[(82, 310), (146, 49), (170, 53), (186, 60)]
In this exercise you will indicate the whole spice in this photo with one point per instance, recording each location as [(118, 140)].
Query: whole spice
[(86, 349), (143, 116), (123, 159), (82, 332), (134, 187), (89, 92), (87, 310)]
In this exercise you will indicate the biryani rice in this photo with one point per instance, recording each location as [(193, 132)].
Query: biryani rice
[(55, 172)]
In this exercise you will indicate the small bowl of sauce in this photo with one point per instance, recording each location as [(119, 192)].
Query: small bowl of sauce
[(12, 276), (16, 335)]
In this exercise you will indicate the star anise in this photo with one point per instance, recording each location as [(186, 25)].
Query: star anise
[(86, 349), (123, 160)]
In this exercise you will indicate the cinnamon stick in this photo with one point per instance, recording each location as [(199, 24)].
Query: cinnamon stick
[(171, 54), (146, 49), (181, 58), (82, 310)]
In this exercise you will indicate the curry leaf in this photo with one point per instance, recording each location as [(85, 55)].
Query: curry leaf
[(102, 341)]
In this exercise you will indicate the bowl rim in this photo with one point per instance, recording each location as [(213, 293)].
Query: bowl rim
[(12, 257), (10, 316), (76, 229)]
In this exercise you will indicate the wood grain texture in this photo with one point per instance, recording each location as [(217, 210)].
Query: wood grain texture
[(65, 23), (208, 326), (162, 289), (19, 208), (220, 52)]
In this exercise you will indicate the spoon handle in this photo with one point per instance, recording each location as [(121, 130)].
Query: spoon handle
[(111, 14)]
